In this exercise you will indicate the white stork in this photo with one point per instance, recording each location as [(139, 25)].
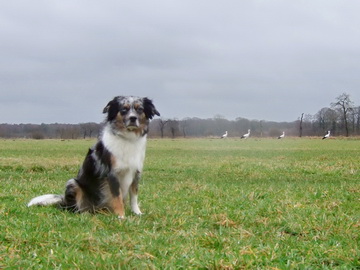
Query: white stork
[(282, 136), (245, 136), (224, 135), (327, 135)]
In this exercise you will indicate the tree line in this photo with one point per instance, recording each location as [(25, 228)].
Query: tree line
[(50, 131), (342, 118)]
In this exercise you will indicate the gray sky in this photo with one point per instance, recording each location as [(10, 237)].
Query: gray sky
[(62, 61)]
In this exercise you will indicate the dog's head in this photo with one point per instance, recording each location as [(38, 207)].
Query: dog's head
[(131, 114)]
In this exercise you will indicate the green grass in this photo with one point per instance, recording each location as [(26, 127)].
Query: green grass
[(208, 204)]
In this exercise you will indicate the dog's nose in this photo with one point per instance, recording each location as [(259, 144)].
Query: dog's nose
[(133, 118)]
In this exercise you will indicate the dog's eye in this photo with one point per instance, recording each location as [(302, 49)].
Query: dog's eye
[(140, 110), (124, 110)]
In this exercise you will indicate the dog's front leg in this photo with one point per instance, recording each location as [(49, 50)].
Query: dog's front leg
[(117, 201), (134, 188)]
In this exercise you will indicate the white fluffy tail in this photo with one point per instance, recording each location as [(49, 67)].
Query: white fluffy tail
[(48, 199)]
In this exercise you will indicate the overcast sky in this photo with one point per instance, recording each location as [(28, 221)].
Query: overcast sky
[(63, 60)]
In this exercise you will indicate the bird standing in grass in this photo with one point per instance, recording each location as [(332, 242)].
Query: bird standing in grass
[(224, 135), (282, 136), (245, 136), (327, 135)]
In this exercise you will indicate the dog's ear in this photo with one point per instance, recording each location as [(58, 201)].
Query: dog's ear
[(149, 108), (112, 108), (106, 109)]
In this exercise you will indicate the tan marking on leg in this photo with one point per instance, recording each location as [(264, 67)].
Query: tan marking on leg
[(82, 203), (134, 188), (117, 206), (79, 197), (79, 194)]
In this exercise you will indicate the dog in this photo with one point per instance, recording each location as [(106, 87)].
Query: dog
[(112, 167)]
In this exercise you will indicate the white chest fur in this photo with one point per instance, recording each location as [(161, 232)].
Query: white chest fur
[(128, 150)]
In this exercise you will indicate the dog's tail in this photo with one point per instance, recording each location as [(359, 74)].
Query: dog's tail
[(48, 199)]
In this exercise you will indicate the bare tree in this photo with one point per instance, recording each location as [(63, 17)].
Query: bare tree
[(174, 127), (162, 124), (89, 129), (345, 106), (184, 126), (301, 127), (357, 119), (354, 119), (326, 119)]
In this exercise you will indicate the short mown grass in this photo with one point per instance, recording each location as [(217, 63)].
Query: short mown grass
[(208, 204)]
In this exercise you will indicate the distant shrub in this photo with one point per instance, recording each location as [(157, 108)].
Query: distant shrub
[(38, 136)]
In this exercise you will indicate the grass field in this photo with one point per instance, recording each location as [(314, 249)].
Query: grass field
[(208, 204)]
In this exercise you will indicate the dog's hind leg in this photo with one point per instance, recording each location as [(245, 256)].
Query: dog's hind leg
[(117, 202), (74, 197)]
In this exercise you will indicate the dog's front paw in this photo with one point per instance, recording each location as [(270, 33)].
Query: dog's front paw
[(121, 217), (139, 213), (135, 209)]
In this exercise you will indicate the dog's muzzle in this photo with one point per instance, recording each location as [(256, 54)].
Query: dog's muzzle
[(132, 123)]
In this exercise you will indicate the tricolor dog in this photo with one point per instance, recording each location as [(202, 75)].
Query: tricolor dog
[(112, 167)]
